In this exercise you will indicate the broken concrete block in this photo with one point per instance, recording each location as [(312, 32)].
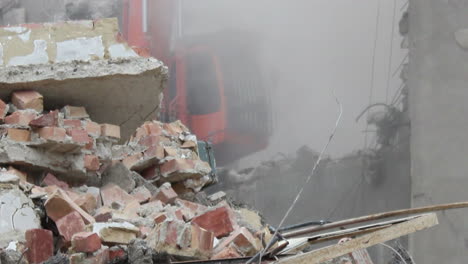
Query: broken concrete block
[(75, 112), (116, 233), (142, 194), (201, 239), (112, 193), (60, 204), (40, 245), (69, 225), (28, 100), (150, 141), (50, 180), (8, 178), (217, 197), (140, 253), (20, 118), (47, 120), (16, 212), (249, 218), (151, 208), (18, 135), (119, 175), (22, 175), (52, 133), (220, 221), (91, 162), (10, 256), (181, 169), (87, 242), (87, 202), (151, 173), (93, 128), (3, 110), (165, 194), (245, 242), (130, 161), (112, 131)]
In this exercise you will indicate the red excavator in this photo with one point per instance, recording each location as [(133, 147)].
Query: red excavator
[(215, 83)]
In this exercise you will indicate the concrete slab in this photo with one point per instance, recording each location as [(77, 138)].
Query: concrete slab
[(83, 63)]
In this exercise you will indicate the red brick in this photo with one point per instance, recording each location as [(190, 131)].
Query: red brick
[(174, 233), (153, 128), (50, 180), (69, 225), (87, 202), (78, 135), (116, 253), (227, 253), (75, 112), (173, 129), (243, 239), (220, 221), (139, 133), (130, 161), (149, 141), (170, 151), (100, 257), (40, 245), (151, 172), (159, 218), (142, 194), (3, 109), (165, 194), (91, 162), (131, 209), (112, 193), (21, 118), (47, 120), (103, 214), (52, 133), (60, 204), (109, 130), (28, 100), (194, 207), (87, 242), (202, 239), (72, 123), (91, 144), (189, 144), (22, 175), (93, 128), (154, 152), (19, 135)]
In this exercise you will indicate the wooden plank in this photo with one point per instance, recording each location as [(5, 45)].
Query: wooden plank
[(373, 217), (365, 241)]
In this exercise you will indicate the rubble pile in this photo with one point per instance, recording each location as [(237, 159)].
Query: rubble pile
[(71, 193)]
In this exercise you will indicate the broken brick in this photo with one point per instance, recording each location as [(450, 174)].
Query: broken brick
[(227, 253), (40, 245), (103, 214), (21, 118), (201, 239), (220, 221), (142, 194), (93, 128), (52, 133), (179, 169), (19, 135), (47, 120), (153, 128), (132, 160), (50, 180), (91, 162), (28, 100), (87, 242), (109, 130), (3, 109), (116, 253), (154, 152), (72, 123), (79, 135), (243, 239), (149, 141), (22, 175), (173, 128), (151, 172), (75, 112), (159, 218), (69, 225), (170, 151), (87, 202), (112, 193), (165, 194), (60, 204)]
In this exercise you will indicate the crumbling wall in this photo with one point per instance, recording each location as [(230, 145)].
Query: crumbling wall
[(437, 98)]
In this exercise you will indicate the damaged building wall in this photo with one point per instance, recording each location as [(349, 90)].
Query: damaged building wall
[(437, 97)]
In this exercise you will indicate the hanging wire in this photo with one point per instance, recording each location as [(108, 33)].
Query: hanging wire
[(391, 52)]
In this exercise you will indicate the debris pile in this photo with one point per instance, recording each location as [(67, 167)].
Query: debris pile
[(70, 192)]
